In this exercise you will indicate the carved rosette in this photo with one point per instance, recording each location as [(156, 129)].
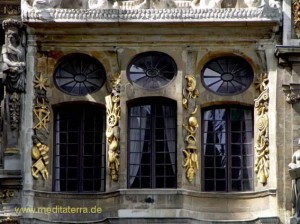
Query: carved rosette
[(261, 144), (296, 14), (190, 93), (112, 102), (39, 151)]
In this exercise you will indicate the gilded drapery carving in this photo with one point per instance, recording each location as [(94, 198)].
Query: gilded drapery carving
[(112, 102), (262, 129), (190, 93)]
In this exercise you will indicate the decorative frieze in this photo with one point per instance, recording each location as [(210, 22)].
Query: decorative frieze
[(261, 144), (10, 9), (112, 102), (265, 13)]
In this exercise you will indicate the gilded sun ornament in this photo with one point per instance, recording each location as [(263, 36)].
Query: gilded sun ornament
[(41, 83)]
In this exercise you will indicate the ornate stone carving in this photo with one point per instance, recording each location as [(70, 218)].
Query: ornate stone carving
[(292, 92), (191, 164), (5, 194), (190, 93), (127, 10), (14, 106), (13, 53), (261, 144), (112, 102), (9, 220), (39, 151)]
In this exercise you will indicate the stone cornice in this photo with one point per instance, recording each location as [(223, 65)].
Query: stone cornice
[(153, 15)]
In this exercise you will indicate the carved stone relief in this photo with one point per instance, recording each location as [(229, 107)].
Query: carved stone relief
[(5, 194), (190, 93), (261, 144), (13, 69), (39, 151), (112, 102)]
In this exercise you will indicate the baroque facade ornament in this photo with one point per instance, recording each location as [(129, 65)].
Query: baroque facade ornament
[(14, 106), (112, 102), (190, 93), (262, 129), (39, 151), (5, 194), (296, 14)]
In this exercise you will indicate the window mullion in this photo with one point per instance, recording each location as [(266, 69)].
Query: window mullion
[(228, 150), (81, 139)]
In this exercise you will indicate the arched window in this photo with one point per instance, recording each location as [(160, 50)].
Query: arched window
[(228, 75), (227, 148), (152, 143), (79, 148), (79, 74), (151, 70)]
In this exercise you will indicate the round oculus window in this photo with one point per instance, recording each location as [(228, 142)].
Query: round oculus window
[(79, 75), (227, 75), (151, 70)]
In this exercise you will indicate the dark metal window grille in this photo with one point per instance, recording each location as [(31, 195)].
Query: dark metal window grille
[(151, 70), (79, 154), (79, 74), (152, 144), (227, 149), (227, 75)]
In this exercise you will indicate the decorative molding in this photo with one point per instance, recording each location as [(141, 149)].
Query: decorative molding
[(39, 153), (112, 102), (261, 144), (128, 13), (292, 92)]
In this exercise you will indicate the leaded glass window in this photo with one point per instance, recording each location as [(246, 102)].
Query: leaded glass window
[(151, 70), (152, 144), (79, 75), (227, 75), (227, 149)]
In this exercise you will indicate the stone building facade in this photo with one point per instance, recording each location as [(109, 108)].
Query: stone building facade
[(149, 111)]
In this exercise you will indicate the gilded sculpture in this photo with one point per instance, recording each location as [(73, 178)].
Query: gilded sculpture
[(262, 129), (190, 93), (191, 164), (296, 14), (112, 102), (39, 151)]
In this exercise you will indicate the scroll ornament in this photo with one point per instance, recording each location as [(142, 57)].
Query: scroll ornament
[(190, 93), (262, 130), (112, 102)]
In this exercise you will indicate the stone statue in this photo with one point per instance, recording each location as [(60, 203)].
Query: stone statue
[(294, 171), (13, 54), (99, 4), (226, 4)]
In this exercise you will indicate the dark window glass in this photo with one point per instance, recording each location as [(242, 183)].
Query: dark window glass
[(152, 144), (151, 70), (79, 154), (227, 149), (227, 75), (79, 74)]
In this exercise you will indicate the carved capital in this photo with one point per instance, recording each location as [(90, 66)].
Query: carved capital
[(292, 92)]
